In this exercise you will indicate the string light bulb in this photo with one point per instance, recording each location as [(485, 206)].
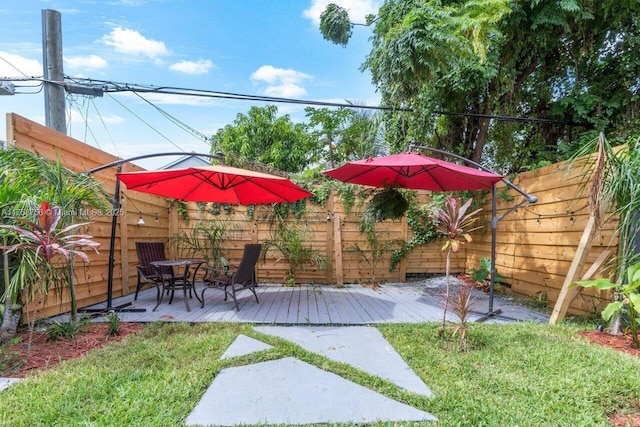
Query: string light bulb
[(140, 220)]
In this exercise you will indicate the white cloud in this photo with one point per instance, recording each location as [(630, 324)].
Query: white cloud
[(77, 118), (18, 66), (133, 43), (286, 91), (357, 9), (91, 62), (190, 67), (281, 82), (112, 120)]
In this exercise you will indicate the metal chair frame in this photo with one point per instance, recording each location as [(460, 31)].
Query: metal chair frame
[(244, 277), (148, 252)]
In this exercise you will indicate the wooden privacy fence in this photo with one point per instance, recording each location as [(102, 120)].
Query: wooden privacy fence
[(535, 244)]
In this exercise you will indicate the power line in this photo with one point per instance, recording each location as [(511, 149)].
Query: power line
[(175, 121), (106, 128), (85, 119), (97, 87), (13, 66), (146, 123), (110, 86)]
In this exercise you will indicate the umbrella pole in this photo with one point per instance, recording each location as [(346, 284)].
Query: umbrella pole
[(494, 227), (112, 249), (114, 224), (528, 198)]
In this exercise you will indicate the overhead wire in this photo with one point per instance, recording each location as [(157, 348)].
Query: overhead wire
[(85, 118), (106, 86), (146, 123), (86, 126), (106, 128), (175, 120), (26, 78), (12, 66), (110, 86)]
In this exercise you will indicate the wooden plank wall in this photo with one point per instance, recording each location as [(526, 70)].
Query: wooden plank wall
[(536, 244), (257, 228), (91, 285)]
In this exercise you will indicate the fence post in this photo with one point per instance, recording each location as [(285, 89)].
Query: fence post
[(330, 243), (337, 239)]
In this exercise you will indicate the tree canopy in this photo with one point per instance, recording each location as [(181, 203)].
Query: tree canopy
[(460, 67), (262, 136), (345, 134)]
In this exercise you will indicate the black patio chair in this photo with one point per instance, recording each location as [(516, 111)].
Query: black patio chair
[(230, 281), (148, 275)]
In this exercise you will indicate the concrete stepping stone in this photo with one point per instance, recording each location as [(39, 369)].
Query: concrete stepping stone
[(6, 382), (362, 347), (289, 391), (244, 345)]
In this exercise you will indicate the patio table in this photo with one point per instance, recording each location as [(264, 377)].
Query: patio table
[(175, 280)]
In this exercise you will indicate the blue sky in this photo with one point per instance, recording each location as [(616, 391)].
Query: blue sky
[(269, 47)]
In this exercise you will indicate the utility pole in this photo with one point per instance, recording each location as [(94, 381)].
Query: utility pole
[(54, 94)]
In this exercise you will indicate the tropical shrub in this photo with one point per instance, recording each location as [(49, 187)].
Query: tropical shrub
[(626, 298), (378, 244), (454, 224), (45, 254), (290, 241)]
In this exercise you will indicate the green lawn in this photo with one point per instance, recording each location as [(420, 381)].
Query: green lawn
[(510, 375)]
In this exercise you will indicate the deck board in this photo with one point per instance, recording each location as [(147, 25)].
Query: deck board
[(300, 305)]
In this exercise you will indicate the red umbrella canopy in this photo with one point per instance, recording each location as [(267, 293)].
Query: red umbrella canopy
[(415, 171), (219, 184)]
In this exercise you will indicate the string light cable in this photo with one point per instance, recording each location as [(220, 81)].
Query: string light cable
[(570, 214)]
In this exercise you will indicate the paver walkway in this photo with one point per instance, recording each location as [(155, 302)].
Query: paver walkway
[(290, 391)]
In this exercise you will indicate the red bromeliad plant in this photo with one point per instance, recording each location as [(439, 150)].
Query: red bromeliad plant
[(454, 224), (45, 252)]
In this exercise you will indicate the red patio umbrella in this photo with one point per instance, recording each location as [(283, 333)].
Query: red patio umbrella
[(415, 171), (220, 184)]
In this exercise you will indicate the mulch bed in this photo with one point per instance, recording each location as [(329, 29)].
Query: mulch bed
[(45, 353), (619, 342)]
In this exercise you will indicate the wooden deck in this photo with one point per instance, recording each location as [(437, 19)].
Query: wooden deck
[(307, 305)]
